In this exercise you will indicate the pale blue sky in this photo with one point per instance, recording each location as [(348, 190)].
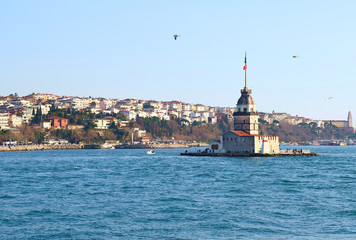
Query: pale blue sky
[(125, 49)]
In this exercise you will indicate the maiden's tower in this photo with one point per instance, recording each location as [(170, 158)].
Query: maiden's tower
[(245, 137)]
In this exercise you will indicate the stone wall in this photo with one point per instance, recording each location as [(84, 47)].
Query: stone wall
[(39, 147), (234, 143), (272, 142)]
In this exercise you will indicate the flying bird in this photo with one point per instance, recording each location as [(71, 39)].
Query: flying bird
[(326, 99), (295, 56), (176, 36)]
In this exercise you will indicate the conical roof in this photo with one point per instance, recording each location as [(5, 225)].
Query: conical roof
[(246, 98)]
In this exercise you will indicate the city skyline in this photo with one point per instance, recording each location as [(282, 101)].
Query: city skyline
[(65, 98), (127, 50)]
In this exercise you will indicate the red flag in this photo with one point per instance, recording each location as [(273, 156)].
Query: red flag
[(245, 67)]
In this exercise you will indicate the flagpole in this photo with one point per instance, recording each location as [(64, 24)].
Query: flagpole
[(245, 71)]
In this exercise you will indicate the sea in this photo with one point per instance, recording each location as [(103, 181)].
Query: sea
[(127, 194)]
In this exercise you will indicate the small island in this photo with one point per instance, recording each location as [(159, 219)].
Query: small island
[(245, 140)]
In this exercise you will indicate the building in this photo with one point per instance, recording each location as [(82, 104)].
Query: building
[(346, 125), (46, 124), (27, 115), (58, 122), (15, 120), (102, 123), (245, 138), (4, 120)]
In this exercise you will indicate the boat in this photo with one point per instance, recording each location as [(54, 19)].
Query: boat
[(150, 152)]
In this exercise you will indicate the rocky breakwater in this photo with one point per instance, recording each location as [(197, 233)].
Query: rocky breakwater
[(150, 146), (40, 147)]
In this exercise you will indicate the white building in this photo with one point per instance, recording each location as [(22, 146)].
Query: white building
[(81, 103), (27, 115), (105, 104), (102, 123), (201, 108), (15, 121), (21, 102), (175, 105), (129, 114), (4, 120)]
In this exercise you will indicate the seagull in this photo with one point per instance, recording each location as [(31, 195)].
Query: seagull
[(295, 56), (176, 36), (326, 99)]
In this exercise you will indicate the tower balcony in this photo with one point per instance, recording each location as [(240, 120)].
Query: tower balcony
[(245, 113)]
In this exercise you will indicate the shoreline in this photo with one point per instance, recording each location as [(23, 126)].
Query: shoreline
[(41, 147), (22, 148)]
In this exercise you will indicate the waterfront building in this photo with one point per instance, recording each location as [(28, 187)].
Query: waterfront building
[(245, 138)]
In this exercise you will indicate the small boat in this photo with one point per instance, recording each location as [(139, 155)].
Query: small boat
[(150, 152)]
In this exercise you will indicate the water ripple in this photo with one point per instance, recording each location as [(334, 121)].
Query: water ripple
[(125, 194)]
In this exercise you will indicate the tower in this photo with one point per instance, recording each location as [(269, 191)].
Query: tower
[(246, 115), (349, 120)]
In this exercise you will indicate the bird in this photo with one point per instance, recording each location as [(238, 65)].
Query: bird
[(295, 56), (176, 36), (326, 99)]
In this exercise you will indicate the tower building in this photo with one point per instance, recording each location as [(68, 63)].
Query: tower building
[(245, 138), (349, 120), (246, 115)]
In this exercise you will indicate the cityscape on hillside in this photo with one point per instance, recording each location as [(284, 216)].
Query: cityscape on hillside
[(16, 111)]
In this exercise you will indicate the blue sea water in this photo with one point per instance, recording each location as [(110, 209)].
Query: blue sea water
[(126, 194)]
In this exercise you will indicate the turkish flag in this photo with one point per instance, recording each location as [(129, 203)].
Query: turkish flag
[(245, 67)]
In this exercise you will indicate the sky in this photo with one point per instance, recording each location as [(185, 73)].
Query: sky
[(125, 49)]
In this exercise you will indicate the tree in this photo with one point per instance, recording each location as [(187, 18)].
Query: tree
[(89, 125)]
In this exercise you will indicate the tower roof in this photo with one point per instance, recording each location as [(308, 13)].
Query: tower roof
[(246, 98)]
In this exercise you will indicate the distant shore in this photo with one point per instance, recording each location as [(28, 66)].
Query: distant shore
[(40, 147), (43, 147)]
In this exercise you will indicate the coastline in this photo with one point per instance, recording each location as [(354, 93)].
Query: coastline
[(41, 147)]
